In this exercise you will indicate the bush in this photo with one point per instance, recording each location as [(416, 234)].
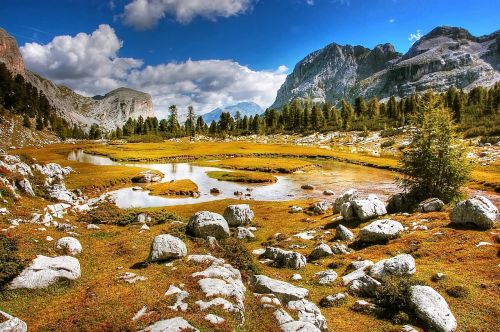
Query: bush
[(387, 144), (457, 291), (10, 264), (435, 163), (236, 254), (394, 295)]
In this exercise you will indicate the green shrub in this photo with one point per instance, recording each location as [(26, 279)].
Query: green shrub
[(458, 291), (435, 163), (387, 144), (394, 294), (236, 254), (10, 264)]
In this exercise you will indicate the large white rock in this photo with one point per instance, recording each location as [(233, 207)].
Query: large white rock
[(399, 265), (166, 246), (284, 291), (45, 271), (370, 208), (477, 210), (326, 277), (344, 233), (360, 268), (242, 233), (380, 231), (12, 324), (320, 207), (285, 258), (68, 246), (309, 312), (346, 197), (26, 187), (204, 224), (177, 324), (364, 286), (320, 251), (239, 214), (432, 308)]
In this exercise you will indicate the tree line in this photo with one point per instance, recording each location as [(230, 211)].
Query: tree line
[(476, 112)]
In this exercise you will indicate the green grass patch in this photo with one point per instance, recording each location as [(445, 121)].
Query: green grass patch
[(242, 176)]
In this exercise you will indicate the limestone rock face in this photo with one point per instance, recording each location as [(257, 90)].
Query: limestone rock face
[(166, 246), (204, 224), (9, 53), (238, 215), (109, 111), (445, 57), (432, 308), (477, 210), (45, 271)]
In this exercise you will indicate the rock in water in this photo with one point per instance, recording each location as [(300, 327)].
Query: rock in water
[(477, 210), (45, 271), (284, 291), (12, 324), (346, 197), (285, 258), (237, 215), (430, 205), (176, 324), (432, 308), (380, 231), (68, 246), (344, 233), (204, 224), (166, 246)]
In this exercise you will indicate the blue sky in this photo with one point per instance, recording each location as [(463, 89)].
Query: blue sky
[(254, 38)]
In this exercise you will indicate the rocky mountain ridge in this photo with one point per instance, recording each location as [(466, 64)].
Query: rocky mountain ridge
[(445, 57), (245, 108), (108, 111)]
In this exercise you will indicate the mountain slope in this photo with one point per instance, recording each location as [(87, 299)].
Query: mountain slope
[(108, 111), (445, 57), (245, 108)]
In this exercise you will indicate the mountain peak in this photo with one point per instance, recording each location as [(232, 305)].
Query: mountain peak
[(9, 53), (247, 108)]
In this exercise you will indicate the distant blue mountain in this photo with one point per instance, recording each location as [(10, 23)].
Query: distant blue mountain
[(245, 108)]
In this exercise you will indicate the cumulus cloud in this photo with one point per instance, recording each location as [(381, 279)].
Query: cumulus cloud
[(89, 64), (310, 2), (144, 14), (392, 20), (413, 37)]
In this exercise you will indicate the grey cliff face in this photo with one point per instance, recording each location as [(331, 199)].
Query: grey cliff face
[(108, 111), (443, 58)]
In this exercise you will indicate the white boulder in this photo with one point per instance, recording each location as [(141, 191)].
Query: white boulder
[(204, 224), (68, 246), (239, 214), (45, 271), (399, 265), (284, 291), (166, 246), (380, 231), (432, 308), (477, 210)]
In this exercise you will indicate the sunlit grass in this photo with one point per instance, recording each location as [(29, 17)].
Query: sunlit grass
[(242, 176)]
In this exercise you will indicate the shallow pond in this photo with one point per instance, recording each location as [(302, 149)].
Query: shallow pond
[(332, 175)]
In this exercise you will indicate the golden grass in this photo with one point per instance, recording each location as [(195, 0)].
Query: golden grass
[(175, 188), (270, 165), (97, 301), (242, 176), (483, 177)]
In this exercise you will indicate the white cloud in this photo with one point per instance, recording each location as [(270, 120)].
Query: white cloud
[(310, 2), (144, 14), (89, 64), (392, 20), (413, 37)]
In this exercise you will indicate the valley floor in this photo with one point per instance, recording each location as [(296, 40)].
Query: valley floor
[(100, 300)]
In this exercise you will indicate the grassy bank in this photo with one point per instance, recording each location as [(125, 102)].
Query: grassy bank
[(175, 188), (242, 176)]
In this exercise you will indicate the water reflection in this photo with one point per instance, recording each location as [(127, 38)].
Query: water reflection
[(331, 175)]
